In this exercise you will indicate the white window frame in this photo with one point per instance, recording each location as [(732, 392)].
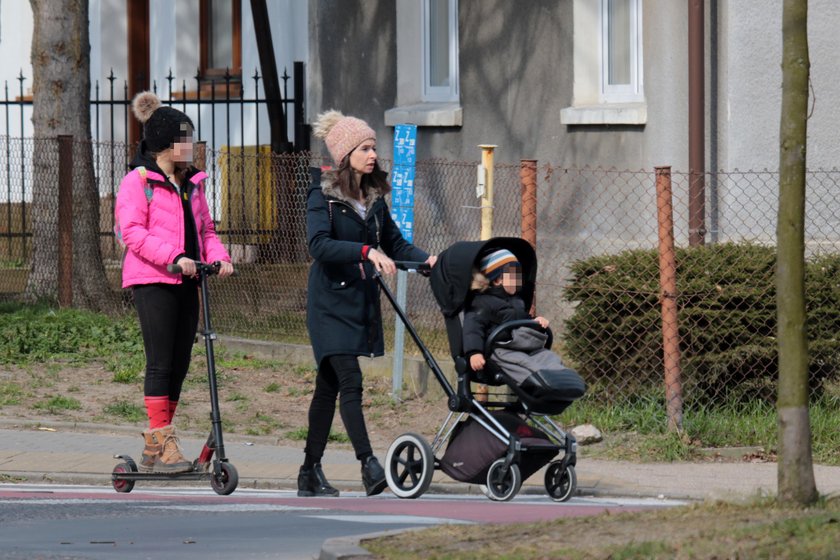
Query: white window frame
[(449, 92), (622, 93), (591, 104), (416, 103)]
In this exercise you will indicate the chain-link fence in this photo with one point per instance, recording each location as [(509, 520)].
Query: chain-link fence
[(597, 238)]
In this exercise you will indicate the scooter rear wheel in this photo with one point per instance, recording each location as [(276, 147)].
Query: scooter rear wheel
[(120, 484), (227, 481)]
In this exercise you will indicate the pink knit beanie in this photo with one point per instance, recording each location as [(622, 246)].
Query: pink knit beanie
[(342, 134)]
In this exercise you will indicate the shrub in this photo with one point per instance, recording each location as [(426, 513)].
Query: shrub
[(727, 321)]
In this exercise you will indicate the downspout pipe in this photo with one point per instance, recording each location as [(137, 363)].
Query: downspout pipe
[(696, 124)]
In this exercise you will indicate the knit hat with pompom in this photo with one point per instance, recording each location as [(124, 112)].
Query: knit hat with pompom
[(162, 126), (342, 134)]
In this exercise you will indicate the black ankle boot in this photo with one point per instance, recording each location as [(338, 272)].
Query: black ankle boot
[(373, 476), (312, 482)]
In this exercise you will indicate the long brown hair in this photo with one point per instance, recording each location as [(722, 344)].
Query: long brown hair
[(345, 180)]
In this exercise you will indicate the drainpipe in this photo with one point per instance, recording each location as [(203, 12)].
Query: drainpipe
[(696, 116)]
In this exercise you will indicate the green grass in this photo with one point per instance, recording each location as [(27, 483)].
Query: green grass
[(301, 433), (56, 404), (637, 430), (272, 388), (10, 394), (127, 411)]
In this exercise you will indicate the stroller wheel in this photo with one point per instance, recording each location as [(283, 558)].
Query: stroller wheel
[(560, 483), (502, 486), (409, 466)]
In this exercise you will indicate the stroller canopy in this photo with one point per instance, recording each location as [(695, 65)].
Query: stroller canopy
[(452, 274)]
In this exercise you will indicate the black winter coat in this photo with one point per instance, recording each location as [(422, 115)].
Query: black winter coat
[(342, 308), (488, 310)]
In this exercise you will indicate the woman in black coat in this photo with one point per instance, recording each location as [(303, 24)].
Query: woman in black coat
[(351, 235)]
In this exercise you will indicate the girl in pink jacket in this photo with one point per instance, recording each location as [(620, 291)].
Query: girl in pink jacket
[(162, 218)]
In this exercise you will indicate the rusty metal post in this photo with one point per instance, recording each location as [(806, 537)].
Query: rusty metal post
[(528, 180), (696, 124), (65, 221), (668, 299)]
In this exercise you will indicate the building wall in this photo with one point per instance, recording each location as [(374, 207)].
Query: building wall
[(750, 106)]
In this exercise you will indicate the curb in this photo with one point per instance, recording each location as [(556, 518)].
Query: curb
[(347, 548)]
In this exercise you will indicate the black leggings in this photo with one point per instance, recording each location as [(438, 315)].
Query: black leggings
[(337, 375), (168, 316)]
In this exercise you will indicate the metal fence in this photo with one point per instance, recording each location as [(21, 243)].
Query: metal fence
[(226, 111), (598, 281)]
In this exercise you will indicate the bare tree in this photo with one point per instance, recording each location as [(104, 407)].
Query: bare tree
[(796, 470), (61, 106)]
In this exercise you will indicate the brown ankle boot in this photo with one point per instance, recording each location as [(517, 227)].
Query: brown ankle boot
[(151, 453), (171, 459)]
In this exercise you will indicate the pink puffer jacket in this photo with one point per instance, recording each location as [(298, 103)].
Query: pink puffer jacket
[(150, 223)]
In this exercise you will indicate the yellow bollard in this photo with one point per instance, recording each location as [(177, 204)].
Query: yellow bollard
[(487, 196), (486, 222)]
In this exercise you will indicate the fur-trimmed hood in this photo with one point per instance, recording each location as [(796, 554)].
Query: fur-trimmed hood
[(329, 186)]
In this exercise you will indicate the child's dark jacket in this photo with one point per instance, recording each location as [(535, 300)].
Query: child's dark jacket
[(488, 310)]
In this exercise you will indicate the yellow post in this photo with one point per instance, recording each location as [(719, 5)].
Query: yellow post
[(487, 196), (486, 221)]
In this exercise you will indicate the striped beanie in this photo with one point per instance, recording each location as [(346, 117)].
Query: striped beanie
[(341, 133), (493, 264)]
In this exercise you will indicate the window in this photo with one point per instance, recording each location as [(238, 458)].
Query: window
[(428, 92), (621, 77), (220, 35), (608, 85), (440, 50)]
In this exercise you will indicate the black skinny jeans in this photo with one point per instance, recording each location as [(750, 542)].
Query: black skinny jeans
[(168, 316), (337, 375)]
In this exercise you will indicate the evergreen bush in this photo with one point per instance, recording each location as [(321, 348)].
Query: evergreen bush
[(727, 322)]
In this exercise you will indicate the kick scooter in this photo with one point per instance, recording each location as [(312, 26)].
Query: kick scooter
[(222, 474)]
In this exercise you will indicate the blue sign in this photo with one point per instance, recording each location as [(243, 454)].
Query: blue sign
[(405, 140), (402, 178)]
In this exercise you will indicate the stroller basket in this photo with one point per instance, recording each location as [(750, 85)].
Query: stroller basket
[(473, 448)]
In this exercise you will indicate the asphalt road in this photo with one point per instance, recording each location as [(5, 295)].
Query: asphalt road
[(94, 522)]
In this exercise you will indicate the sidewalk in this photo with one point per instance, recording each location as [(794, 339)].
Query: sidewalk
[(38, 452)]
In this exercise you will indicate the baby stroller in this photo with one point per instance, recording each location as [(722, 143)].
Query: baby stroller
[(499, 443)]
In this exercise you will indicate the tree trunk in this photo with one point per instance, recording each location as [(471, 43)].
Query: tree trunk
[(795, 470), (61, 105)]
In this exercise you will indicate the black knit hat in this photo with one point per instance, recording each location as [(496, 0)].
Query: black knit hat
[(162, 126)]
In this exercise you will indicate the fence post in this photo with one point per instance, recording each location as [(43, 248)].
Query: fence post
[(668, 299), (65, 221), (528, 180)]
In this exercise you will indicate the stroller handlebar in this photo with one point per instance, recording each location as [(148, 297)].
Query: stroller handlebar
[(505, 328), (412, 266)]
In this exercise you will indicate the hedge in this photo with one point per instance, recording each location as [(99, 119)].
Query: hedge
[(727, 316)]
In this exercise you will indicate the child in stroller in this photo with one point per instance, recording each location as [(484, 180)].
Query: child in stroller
[(500, 443), (520, 351)]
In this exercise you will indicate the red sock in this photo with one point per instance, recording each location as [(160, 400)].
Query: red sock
[(158, 410), (172, 406)]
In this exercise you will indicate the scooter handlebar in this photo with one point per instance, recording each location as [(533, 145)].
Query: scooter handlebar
[(208, 268)]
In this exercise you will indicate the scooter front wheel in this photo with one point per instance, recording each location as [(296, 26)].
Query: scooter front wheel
[(225, 482)]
